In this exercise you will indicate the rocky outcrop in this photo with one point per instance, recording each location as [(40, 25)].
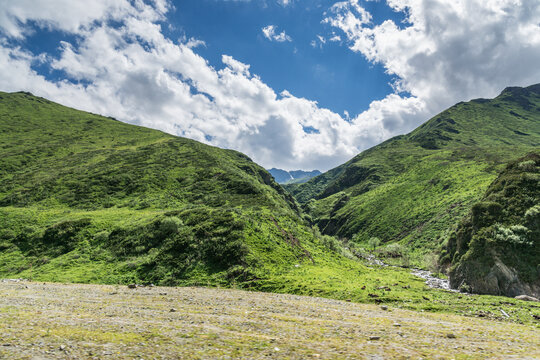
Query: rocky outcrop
[(500, 280), (496, 248)]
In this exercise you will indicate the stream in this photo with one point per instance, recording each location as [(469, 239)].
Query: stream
[(431, 281)]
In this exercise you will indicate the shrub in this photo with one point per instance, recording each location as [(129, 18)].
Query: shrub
[(331, 243), (102, 237), (527, 165), (170, 225), (394, 250), (373, 243), (532, 218), (514, 235)]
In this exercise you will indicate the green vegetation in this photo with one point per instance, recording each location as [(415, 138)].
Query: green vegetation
[(414, 188), (496, 247), (89, 199)]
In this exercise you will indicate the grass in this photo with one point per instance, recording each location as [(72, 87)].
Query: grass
[(414, 188), (92, 200)]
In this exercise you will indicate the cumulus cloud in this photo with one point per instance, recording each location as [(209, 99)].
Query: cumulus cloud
[(446, 51), (270, 32), (133, 72)]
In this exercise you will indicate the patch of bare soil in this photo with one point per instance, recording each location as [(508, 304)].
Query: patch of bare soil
[(72, 321)]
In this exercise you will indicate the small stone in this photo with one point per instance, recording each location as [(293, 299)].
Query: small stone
[(384, 307), (396, 324), (172, 310), (526, 298), (62, 347), (276, 349), (450, 336), (374, 338), (132, 286)]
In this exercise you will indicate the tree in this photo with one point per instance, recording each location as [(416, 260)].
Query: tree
[(373, 243)]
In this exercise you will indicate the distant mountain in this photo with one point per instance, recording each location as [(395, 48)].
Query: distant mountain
[(414, 188), (293, 176)]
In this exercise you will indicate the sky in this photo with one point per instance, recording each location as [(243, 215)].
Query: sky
[(294, 84)]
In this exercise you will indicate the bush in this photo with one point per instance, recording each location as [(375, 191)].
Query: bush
[(170, 225), (514, 235), (102, 237), (331, 243), (394, 250), (373, 243)]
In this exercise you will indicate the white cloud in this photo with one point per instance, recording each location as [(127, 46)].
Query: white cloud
[(335, 38), (137, 75), (133, 72), (271, 34), (447, 51)]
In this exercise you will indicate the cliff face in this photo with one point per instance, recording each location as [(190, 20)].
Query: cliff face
[(496, 247)]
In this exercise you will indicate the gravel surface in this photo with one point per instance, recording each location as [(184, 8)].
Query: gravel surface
[(72, 321)]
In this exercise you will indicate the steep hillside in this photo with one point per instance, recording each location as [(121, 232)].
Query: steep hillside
[(413, 187), (496, 247), (89, 198)]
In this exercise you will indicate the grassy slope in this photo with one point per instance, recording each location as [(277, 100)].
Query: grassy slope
[(90, 199), (414, 187)]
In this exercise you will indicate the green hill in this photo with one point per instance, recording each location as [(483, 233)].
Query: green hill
[(496, 247), (89, 198), (84, 198), (413, 188)]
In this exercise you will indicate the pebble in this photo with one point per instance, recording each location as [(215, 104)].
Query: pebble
[(374, 338), (132, 286), (397, 324), (172, 310), (450, 336), (384, 307)]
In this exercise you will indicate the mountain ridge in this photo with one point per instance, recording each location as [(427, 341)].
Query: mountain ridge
[(293, 176), (451, 159)]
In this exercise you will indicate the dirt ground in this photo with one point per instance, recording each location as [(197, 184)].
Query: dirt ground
[(72, 321)]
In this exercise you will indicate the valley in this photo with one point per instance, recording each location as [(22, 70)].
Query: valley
[(90, 204)]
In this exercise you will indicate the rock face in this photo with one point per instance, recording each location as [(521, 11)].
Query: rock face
[(500, 280), (496, 248)]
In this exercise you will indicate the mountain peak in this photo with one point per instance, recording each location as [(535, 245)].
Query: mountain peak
[(292, 177)]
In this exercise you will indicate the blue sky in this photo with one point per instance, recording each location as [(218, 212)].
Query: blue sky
[(330, 73), (294, 84)]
